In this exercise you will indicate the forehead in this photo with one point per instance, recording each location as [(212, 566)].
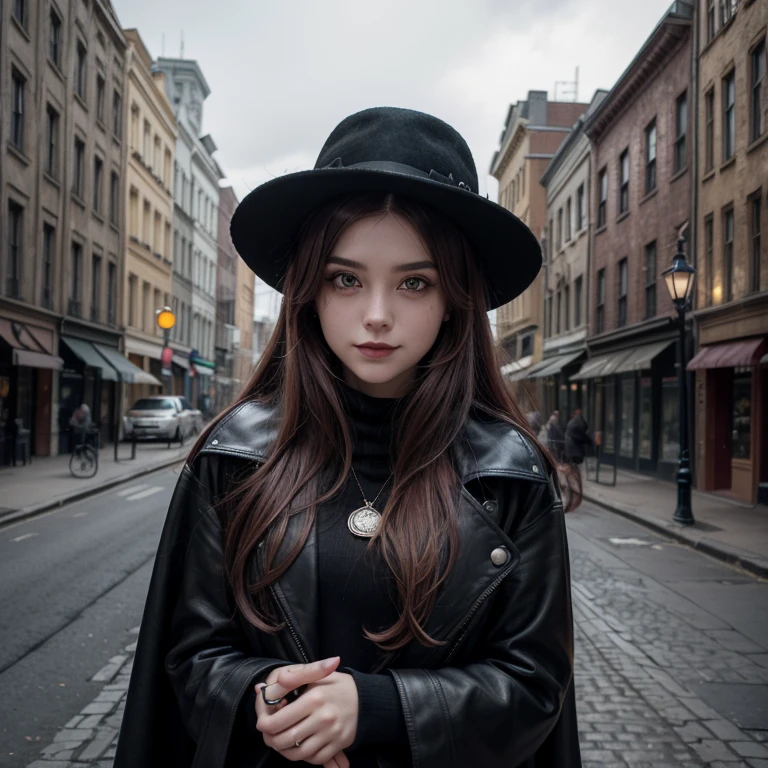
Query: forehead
[(386, 238)]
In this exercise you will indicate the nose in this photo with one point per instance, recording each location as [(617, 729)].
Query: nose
[(378, 312)]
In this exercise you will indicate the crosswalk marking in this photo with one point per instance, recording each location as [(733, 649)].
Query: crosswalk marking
[(25, 536), (132, 489), (144, 494)]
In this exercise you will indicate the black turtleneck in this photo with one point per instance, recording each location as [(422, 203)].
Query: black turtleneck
[(357, 590)]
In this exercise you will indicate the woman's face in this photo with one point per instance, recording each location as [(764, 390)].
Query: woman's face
[(380, 286)]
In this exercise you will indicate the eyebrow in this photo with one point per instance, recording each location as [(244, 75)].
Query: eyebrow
[(398, 268)]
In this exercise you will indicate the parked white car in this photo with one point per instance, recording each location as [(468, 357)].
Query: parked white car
[(162, 417)]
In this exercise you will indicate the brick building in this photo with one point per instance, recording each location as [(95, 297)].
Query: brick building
[(641, 200), (732, 225), (533, 132)]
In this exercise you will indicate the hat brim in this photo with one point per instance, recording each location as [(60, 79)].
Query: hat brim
[(265, 224)]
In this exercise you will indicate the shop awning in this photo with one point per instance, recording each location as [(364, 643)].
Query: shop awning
[(144, 348), (555, 365), (88, 354), (118, 363), (601, 365), (732, 355), (182, 362), (641, 358), (27, 349), (516, 366)]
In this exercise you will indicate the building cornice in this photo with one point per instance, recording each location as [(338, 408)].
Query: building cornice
[(509, 150)]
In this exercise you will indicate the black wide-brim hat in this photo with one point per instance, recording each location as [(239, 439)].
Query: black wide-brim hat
[(389, 150)]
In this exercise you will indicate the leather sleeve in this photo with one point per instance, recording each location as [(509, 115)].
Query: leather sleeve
[(210, 663), (496, 708)]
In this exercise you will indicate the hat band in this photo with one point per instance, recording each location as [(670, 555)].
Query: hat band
[(402, 168)]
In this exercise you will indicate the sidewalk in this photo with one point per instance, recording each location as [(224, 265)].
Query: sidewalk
[(733, 532), (46, 482)]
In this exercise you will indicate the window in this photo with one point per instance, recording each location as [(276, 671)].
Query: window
[(17, 110), (623, 274), (559, 312), (98, 172), (627, 417), (646, 418), (134, 128), (78, 186), (728, 255), (147, 141), (111, 292), (15, 239), (114, 198), (600, 306), (580, 212), (96, 289), (757, 108), (156, 157), (729, 127), (20, 12), (559, 228), (526, 345), (567, 306), (146, 309), (742, 414), (100, 83), (54, 39), (52, 142), (603, 187), (551, 239), (156, 237), (548, 317), (568, 220), (754, 212), (650, 158), (167, 168), (117, 115), (80, 70), (49, 251), (681, 131), (132, 301), (650, 280), (709, 245), (710, 19), (727, 9), (624, 177), (146, 224), (578, 291), (709, 141), (77, 269), (670, 419)]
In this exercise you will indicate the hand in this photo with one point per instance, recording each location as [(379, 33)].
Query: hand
[(323, 720)]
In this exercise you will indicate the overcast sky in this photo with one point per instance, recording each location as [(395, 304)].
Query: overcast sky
[(283, 73)]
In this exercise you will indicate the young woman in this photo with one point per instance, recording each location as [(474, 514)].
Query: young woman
[(365, 559)]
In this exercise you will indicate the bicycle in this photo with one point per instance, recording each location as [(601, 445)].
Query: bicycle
[(84, 462)]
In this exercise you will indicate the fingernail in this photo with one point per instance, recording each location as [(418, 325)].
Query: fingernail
[(330, 662)]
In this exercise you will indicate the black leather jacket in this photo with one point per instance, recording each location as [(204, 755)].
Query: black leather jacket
[(498, 693)]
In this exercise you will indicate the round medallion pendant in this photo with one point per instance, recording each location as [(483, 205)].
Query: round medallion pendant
[(364, 521)]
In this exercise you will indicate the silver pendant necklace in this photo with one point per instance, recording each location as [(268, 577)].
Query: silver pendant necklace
[(365, 521)]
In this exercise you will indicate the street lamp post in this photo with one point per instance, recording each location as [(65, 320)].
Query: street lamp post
[(680, 278), (166, 320)]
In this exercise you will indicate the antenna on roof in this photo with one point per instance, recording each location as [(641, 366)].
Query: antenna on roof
[(568, 89), (181, 52)]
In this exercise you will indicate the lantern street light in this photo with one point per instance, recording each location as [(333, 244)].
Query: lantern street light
[(166, 320), (680, 278)]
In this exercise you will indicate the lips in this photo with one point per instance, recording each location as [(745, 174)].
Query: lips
[(374, 345), (375, 350)]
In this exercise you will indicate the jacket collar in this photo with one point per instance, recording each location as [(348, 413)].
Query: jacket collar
[(484, 447)]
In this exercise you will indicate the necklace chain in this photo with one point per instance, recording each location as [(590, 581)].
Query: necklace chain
[(362, 492)]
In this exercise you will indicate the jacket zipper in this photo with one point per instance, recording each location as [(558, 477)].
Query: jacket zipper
[(462, 629)]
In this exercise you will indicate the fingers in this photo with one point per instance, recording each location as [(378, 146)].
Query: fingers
[(292, 677), (340, 761), (273, 721), (316, 750)]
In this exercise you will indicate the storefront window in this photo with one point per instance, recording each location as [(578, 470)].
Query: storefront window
[(742, 413), (610, 414), (646, 417), (598, 406), (670, 419), (627, 416)]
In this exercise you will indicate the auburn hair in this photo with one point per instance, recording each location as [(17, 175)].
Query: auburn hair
[(310, 457)]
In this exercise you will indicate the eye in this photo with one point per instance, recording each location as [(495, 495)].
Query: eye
[(412, 284), (343, 280)]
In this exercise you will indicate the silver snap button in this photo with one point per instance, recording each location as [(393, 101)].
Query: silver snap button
[(499, 556), (214, 442), (491, 506), (535, 469)]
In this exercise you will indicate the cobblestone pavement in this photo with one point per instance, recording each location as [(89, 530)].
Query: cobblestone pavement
[(639, 656)]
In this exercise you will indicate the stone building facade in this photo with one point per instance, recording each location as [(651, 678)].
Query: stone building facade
[(641, 202), (62, 167), (731, 394), (149, 212), (533, 132)]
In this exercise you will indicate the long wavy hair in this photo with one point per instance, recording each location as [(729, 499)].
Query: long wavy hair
[(310, 458)]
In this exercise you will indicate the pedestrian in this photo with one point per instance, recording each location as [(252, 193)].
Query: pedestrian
[(81, 422), (555, 436), (365, 561), (577, 438), (534, 421)]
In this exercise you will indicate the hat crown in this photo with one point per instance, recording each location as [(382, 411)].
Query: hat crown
[(404, 136)]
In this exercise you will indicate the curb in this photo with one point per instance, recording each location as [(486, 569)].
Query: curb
[(46, 506), (753, 563)]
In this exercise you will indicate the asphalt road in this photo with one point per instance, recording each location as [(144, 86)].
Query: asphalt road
[(672, 646), (72, 586)]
